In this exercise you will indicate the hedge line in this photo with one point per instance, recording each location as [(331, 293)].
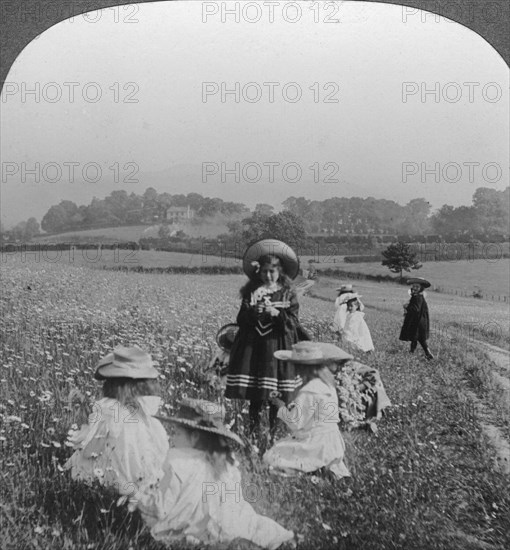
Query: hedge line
[(205, 270)]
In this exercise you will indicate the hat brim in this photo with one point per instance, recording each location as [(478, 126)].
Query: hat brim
[(284, 252), (417, 280), (286, 355), (225, 329), (109, 370), (196, 426)]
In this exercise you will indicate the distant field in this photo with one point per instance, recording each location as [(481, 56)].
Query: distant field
[(106, 235), (491, 277)]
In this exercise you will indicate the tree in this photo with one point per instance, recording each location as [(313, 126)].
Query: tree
[(31, 228), (284, 226), (56, 219), (264, 209), (399, 257)]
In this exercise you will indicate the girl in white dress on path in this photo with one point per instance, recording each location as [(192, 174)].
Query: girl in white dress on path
[(123, 445), (313, 416), (341, 308), (200, 497), (355, 329)]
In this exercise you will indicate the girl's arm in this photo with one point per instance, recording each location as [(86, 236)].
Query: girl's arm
[(290, 312), (298, 413), (415, 304), (157, 501), (247, 315)]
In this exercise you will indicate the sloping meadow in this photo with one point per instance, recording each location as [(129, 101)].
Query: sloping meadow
[(425, 479)]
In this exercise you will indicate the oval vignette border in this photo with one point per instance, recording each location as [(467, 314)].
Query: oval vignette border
[(16, 34)]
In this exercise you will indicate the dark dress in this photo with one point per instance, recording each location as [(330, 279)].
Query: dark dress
[(253, 371), (416, 321)]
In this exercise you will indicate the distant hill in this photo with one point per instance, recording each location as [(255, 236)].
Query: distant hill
[(131, 233)]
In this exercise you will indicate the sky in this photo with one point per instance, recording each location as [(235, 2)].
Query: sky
[(392, 105)]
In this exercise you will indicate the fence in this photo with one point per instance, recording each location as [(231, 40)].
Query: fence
[(475, 294)]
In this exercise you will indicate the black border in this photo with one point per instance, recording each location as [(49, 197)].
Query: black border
[(488, 18)]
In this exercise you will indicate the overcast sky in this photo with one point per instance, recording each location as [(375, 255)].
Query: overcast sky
[(161, 54)]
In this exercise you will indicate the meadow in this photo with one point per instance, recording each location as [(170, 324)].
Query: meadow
[(425, 479)]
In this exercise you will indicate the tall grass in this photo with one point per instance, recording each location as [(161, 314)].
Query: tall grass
[(424, 480)]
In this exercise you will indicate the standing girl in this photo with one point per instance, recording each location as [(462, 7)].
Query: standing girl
[(313, 416), (122, 445), (200, 496), (341, 308), (355, 329), (416, 321), (268, 321)]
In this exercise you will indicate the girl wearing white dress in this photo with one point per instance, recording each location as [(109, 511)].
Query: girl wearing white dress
[(200, 497), (355, 329), (313, 416), (341, 308), (123, 445)]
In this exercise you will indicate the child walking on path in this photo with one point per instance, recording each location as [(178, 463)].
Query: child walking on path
[(122, 445), (200, 496), (268, 321), (313, 416), (355, 329), (416, 321)]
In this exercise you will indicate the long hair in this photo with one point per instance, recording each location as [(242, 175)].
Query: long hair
[(252, 284), (126, 390), (217, 448)]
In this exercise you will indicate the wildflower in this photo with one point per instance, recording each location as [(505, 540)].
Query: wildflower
[(314, 480), (50, 431), (98, 472), (56, 444), (39, 530), (25, 426), (13, 418), (326, 527), (56, 533)]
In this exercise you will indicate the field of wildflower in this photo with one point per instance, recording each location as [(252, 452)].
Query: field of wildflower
[(425, 478)]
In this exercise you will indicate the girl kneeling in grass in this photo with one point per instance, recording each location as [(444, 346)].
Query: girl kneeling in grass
[(200, 497), (313, 416), (123, 445)]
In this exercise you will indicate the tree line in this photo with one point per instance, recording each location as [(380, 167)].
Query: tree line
[(488, 215)]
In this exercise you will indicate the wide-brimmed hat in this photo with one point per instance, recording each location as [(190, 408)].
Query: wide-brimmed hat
[(348, 296), (344, 288), (126, 362), (419, 280), (312, 353), (200, 414), (226, 335), (284, 252)]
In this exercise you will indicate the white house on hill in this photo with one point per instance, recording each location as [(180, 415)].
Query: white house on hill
[(179, 213)]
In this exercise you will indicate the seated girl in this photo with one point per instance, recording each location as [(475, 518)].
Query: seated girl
[(312, 417), (123, 445), (200, 497)]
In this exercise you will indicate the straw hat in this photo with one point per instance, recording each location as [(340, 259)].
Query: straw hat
[(226, 335), (284, 252), (200, 414), (419, 280), (312, 353), (344, 288), (126, 362), (348, 296)]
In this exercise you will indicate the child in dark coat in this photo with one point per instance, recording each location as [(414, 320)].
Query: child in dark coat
[(416, 322)]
